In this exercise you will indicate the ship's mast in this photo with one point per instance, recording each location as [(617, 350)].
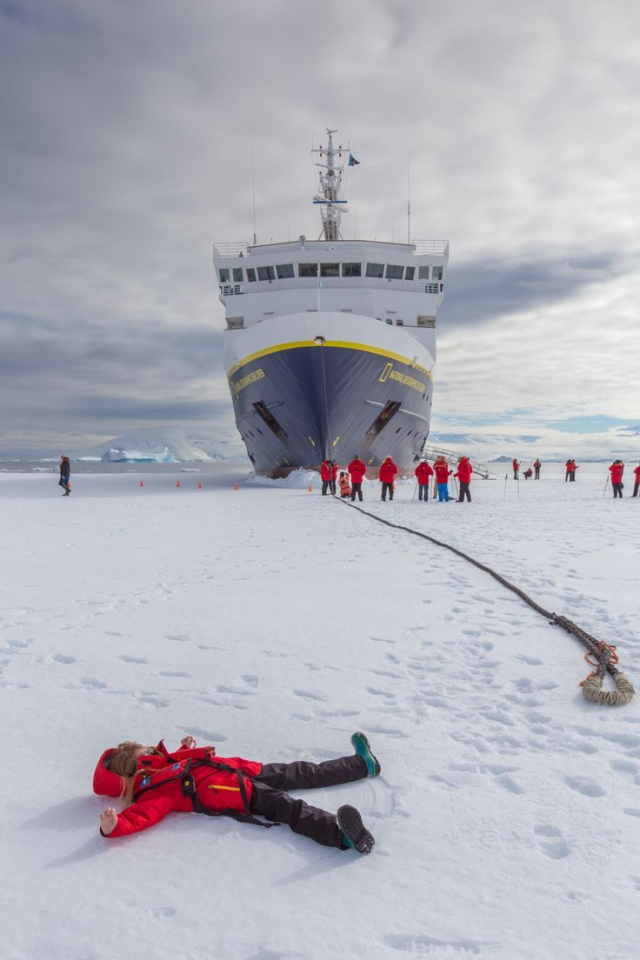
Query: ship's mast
[(331, 206)]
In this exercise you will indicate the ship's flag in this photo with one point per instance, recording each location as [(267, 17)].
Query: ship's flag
[(352, 161)]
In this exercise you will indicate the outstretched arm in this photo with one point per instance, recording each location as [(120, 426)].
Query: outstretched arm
[(108, 821)]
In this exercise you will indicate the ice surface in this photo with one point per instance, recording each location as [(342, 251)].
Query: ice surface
[(274, 622)]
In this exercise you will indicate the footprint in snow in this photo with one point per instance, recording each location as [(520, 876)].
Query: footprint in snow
[(93, 682), (588, 788), (551, 842), (63, 658), (127, 658), (308, 695)]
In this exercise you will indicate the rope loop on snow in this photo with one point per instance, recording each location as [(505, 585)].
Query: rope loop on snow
[(604, 654)]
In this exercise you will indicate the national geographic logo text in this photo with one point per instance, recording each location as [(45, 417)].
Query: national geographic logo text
[(390, 374), (252, 377)]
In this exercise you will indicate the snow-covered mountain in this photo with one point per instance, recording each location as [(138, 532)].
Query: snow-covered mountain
[(160, 444)]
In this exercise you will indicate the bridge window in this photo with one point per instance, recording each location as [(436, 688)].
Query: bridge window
[(284, 271), (399, 323), (394, 272), (237, 275), (437, 273), (251, 275), (375, 269), (266, 273), (307, 269), (351, 269), (410, 273), (423, 273), (329, 269), (225, 276)]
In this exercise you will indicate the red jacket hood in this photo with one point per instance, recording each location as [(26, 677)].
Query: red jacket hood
[(105, 783)]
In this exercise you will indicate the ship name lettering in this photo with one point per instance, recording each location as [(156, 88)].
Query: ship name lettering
[(407, 381), (252, 377)]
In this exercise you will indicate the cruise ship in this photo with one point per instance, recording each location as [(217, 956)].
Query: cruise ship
[(330, 344)]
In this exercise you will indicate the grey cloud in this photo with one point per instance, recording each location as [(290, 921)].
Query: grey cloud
[(127, 143)]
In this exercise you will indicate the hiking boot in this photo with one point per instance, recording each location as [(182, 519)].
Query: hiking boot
[(354, 833), (363, 748)]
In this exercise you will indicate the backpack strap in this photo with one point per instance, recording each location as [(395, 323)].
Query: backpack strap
[(189, 790)]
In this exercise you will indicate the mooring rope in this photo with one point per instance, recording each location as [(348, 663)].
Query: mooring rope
[(604, 653)]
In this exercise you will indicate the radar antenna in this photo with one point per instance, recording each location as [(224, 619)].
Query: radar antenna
[(331, 166)]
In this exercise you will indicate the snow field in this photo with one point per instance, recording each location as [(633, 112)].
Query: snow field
[(273, 623)]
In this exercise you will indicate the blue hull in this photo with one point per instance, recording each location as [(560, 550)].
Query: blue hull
[(296, 406)]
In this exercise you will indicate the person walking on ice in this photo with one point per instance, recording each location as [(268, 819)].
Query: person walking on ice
[(616, 470), (536, 467), (571, 467), (463, 473), (65, 474), (386, 476), (153, 783), (358, 471), (328, 473), (423, 473), (516, 467), (442, 472), (636, 485)]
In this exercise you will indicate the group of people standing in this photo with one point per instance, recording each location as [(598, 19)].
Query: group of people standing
[(350, 480)]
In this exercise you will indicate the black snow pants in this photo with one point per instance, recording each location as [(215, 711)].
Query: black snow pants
[(356, 488), (464, 491), (387, 487), (537, 469), (271, 801), (617, 490), (636, 487)]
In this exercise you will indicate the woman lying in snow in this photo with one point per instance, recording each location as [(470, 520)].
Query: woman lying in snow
[(154, 782)]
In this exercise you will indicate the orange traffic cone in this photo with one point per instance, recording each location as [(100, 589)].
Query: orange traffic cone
[(310, 489), (142, 483), (236, 486), (199, 485), (178, 483)]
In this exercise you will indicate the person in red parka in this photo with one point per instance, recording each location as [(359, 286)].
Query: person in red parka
[(463, 473), (442, 472), (358, 471), (516, 467), (424, 473), (636, 485), (154, 782), (536, 467), (328, 473), (616, 470), (386, 476)]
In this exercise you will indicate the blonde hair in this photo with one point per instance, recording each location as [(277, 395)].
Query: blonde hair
[(124, 763)]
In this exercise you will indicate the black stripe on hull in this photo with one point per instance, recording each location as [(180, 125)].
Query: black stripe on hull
[(285, 422)]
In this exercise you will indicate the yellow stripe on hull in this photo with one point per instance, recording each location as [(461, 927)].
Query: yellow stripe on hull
[(341, 344)]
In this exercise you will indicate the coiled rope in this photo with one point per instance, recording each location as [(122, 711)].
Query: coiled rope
[(604, 654)]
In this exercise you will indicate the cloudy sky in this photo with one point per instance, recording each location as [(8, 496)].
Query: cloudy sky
[(127, 134)]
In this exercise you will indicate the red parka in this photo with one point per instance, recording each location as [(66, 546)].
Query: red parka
[(442, 471), (637, 473), (464, 471), (357, 469), (616, 470), (423, 471), (515, 464), (388, 470), (158, 785), (335, 469), (325, 471)]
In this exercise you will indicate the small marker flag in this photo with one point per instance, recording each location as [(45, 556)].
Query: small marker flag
[(352, 161)]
